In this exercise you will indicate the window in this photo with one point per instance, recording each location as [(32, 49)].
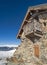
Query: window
[(36, 50), (44, 23)]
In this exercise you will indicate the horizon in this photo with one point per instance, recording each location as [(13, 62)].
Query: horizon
[(8, 45), (12, 13)]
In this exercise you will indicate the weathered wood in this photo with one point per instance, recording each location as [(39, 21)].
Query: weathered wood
[(36, 50)]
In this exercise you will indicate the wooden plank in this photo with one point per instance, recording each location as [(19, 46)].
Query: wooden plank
[(36, 50)]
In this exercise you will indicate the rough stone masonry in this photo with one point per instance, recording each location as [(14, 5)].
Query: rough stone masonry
[(33, 35)]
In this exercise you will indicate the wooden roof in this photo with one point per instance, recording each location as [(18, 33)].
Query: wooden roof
[(33, 8)]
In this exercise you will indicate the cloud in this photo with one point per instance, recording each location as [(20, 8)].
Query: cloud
[(8, 45)]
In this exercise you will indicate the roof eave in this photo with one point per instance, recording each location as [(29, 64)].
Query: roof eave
[(38, 7)]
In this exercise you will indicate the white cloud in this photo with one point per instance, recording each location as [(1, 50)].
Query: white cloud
[(9, 45), (6, 54)]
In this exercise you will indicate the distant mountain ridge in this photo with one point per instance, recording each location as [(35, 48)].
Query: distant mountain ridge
[(8, 47)]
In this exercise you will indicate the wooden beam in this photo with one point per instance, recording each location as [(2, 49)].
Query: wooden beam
[(37, 35)]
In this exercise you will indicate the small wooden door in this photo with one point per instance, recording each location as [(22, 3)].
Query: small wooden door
[(36, 50)]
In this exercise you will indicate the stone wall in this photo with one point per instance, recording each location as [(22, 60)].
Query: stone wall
[(25, 52)]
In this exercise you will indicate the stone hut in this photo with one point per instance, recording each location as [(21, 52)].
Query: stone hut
[(33, 35)]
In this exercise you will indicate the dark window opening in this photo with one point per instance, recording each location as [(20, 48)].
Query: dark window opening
[(44, 23)]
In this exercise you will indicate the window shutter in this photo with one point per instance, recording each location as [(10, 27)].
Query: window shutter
[(36, 50)]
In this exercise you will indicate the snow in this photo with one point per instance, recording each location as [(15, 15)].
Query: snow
[(3, 62), (6, 54)]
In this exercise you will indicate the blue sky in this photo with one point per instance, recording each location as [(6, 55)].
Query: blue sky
[(12, 13)]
